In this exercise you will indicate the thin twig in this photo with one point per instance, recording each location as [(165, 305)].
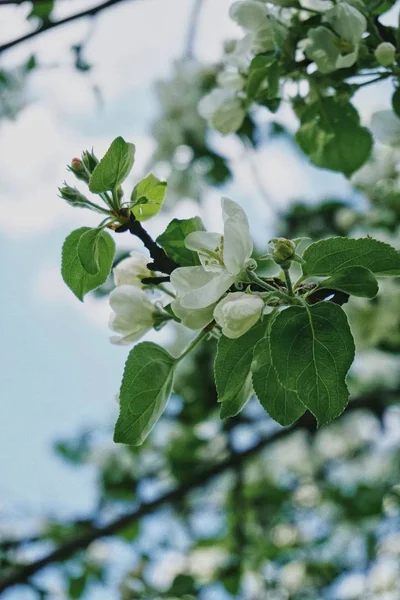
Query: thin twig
[(48, 25), (23, 573), (192, 29)]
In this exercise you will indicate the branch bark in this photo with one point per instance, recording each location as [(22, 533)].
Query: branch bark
[(48, 25), (376, 402)]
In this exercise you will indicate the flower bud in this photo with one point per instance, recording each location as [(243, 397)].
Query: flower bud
[(134, 314), (385, 54), (90, 161), (237, 313), (283, 251), (132, 270), (73, 196)]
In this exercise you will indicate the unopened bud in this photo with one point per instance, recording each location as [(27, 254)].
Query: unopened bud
[(385, 54), (73, 196), (90, 161), (76, 163), (283, 251)]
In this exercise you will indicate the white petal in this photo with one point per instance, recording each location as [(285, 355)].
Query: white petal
[(131, 303), (130, 338), (203, 240), (237, 313), (128, 271), (192, 318), (197, 288), (249, 14), (386, 127), (238, 245)]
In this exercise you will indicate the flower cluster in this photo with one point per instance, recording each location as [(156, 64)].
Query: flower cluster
[(203, 293)]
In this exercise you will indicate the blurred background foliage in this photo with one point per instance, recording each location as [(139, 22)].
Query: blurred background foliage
[(240, 509)]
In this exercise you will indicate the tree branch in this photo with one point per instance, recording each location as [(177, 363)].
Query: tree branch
[(23, 573), (90, 12), (161, 261), (192, 29)]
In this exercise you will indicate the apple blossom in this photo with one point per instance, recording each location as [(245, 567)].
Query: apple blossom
[(223, 110), (237, 313), (224, 260), (132, 270), (337, 49), (134, 313)]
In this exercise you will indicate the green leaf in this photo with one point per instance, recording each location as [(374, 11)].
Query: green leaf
[(77, 279), (41, 9), (312, 349), (356, 281), (258, 74), (396, 102), (173, 241), (147, 197), (232, 369), (96, 250), (331, 135), (281, 404), (114, 167), (334, 254), (145, 389)]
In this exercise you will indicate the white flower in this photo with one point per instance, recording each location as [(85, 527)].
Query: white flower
[(237, 313), (223, 110), (230, 80), (348, 22), (385, 126), (192, 318), (249, 14), (223, 260), (340, 51), (131, 270), (133, 315)]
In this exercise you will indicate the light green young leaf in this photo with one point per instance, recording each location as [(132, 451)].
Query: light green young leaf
[(145, 389), (96, 250), (77, 279), (356, 281), (312, 349), (334, 254), (114, 167), (147, 197), (173, 241), (281, 404), (232, 369)]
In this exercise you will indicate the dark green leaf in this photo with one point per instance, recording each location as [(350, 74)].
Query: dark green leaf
[(114, 167), (96, 250), (312, 349), (396, 102), (329, 256), (281, 404), (356, 281), (173, 241), (258, 74), (77, 279), (232, 369), (331, 135), (41, 9), (145, 389), (76, 586)]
